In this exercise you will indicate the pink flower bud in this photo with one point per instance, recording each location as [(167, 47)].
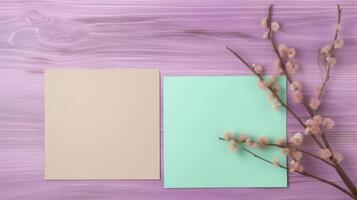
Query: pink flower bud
[(297, 96), (228, 136), (314, 103)]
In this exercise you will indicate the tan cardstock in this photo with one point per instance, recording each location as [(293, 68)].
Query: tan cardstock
[(102, 124)]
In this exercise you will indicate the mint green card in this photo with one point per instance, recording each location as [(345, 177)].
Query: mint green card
[(198, 110)]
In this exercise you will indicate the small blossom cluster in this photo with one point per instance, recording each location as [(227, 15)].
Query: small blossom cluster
[(296, 92), (286, 55), (273, 89), (290, 148), (295, 154), (315, 124), (235, 141), (297, 139), (257, 68), (274, 26), (274, 93), (314, 103), (327, 154), (326, 51), (295, 166), (326, 54), (292, 151)]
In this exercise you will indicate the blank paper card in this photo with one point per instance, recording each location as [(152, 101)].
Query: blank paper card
[(102, 124)]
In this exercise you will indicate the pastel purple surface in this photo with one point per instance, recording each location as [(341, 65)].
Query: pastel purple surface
[(181, 38)]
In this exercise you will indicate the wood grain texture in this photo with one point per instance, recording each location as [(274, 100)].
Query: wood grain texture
[(179, 37)]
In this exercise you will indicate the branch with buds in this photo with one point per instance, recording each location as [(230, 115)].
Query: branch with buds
[(316, 126)]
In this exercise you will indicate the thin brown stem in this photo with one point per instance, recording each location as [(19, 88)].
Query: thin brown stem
[(276, 51), (328, 67), (287, 146), (271, 39), (324, 83), (305, 174), (305, 152), (330, 183), (348, 182), (283, 66)]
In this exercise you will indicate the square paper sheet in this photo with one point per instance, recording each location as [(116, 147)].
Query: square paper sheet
[(198, 110), (102, 124)]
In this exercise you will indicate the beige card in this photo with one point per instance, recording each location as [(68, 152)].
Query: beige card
[(102, 124)]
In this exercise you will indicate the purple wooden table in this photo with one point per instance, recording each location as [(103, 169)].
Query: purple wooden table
[(179, 37)]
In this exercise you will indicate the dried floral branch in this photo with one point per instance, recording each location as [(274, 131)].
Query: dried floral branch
[(314, 126)]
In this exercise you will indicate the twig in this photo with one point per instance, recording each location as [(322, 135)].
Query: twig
[(319, 65), (312, 113), (305, 152), (287, 146), (348, 182), (275, 48), (327, 77), (305, 174)]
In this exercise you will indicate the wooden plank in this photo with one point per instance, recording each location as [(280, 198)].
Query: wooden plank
[(179, 37)]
